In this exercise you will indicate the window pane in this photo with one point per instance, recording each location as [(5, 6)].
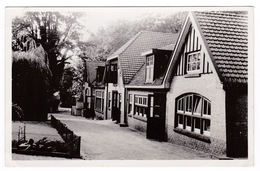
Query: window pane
[(193, 66), (98, 104), (188, 121), (206, 125), (206, 108), (145, 101), (181, 104), (188, 103), (140, 100), (130, 98), (130, 108), (198, 65), (209, 109), (180, 119), (196, 122), (197, 103)]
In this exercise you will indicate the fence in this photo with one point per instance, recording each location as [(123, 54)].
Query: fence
[(72, 140)]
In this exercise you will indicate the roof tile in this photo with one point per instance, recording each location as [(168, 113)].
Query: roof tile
[(130, 53), (226, 33)]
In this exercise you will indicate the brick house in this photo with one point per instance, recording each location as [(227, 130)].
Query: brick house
[(207, 101), (122, 66), (201, 100)]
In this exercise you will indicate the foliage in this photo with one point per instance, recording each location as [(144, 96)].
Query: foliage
[(71, 84), (17, 112), (109, 39), (43, 145), (56, 32), (66, 87), (31, 83)]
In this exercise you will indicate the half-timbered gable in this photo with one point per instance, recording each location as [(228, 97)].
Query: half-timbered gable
[(193, 57)]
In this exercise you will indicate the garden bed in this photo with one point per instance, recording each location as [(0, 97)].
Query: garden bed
[(38, 138)]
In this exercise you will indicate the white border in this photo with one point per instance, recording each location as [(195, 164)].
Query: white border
[(116, 3)]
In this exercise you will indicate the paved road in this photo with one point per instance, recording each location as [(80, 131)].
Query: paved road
[(105, 140)]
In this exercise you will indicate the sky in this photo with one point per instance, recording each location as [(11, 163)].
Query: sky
[(97, 17)]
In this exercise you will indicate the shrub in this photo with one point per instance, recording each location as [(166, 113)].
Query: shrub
[(31, 83)]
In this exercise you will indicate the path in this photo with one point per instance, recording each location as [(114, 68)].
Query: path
[(105, 140)]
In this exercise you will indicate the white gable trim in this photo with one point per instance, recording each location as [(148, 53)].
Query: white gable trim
[(190, 21), (112, 57), (208, 51)]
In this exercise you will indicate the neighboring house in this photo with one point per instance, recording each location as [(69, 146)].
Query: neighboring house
[(123, 65), (201, 101), (147, 93), (93, 92)]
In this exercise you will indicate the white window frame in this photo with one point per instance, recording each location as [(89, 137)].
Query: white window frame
[(198, 66), (149, 69), (130, 105), (101, 97), (139, 102), (185, 114)]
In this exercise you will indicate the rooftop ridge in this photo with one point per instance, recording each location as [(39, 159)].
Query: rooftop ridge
[(126, 45)]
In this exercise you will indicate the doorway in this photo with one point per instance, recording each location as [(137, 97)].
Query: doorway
[(156, 117), (115, 107)]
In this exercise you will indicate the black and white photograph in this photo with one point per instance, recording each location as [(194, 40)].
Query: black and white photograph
[(130, 84)]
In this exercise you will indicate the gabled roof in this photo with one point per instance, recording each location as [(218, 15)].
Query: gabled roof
[(139, 77), (226, 34), (91, 71), (129, 54)]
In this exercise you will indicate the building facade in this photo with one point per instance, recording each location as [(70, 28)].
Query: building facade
[(201, 100), (123, 65)]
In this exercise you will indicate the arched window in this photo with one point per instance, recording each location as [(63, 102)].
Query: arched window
[(193, 113)]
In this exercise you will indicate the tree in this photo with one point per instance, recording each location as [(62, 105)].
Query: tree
[(109, 39), (71, 83), (56, 32)]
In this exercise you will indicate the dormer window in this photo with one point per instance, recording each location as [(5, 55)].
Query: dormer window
[(193, 62), (149, 69)]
